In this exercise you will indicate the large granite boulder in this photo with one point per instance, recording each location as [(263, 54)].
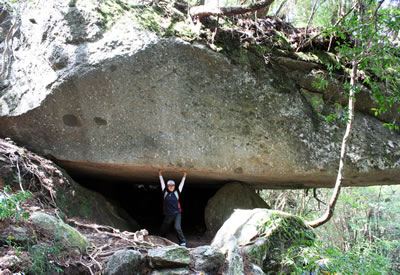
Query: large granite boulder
[(230, 197), (100, 87), (262, 236)]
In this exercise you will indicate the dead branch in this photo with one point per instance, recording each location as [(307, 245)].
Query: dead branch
[(311, 16), (204, 10), (280, 8), (315, 195)]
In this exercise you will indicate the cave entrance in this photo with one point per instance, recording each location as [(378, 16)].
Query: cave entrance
[(143, 201)]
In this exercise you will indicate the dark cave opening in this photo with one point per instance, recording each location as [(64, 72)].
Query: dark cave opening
[(144, 203)]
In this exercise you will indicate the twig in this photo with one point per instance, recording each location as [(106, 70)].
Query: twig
[(316, 197)]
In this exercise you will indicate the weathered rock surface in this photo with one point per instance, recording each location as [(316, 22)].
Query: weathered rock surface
[(74, 200), (207, 259), (77, 201), (60, 231), (262, 235), (122, 101), (19, 235), (125, 262), (167, 260), (230, 197), (169, 256)]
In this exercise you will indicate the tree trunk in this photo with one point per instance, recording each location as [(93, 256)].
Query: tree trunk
[(203, 11), (340, 176)]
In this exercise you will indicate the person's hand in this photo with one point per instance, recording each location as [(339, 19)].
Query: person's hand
[(160, 172), (184, 174)]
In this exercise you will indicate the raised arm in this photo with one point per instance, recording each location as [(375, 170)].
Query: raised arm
[(161, 179), (182, 182)]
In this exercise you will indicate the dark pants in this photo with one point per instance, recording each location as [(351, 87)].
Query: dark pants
[(168, 220)]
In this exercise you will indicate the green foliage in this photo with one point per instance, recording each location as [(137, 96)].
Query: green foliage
[(363, 258), (282, 235), (9, 204), (43, 257), (376, 55), (362, 237)]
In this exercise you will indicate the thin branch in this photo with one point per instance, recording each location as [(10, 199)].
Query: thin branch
[(308, 25), (311, 17), (379, 6), (315, 195), (280, 8)]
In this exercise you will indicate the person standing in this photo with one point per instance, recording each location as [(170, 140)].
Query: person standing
[(172, 207)]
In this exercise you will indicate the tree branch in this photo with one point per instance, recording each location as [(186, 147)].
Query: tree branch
[(203, 11), (340, 176)]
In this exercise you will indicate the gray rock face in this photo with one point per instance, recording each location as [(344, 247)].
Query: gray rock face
[(169, 256), (123, 101), (125, 262), (234, 258), (230, 197), (61, 231), (207, 259), (263, 235)]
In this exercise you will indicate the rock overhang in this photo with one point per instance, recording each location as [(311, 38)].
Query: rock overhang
[(130, 102)]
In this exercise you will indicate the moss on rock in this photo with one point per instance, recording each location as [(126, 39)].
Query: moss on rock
[(68, 235)]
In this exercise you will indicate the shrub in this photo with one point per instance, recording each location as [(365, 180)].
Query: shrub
[(10, 204)]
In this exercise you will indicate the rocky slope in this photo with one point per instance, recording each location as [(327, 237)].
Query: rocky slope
[(113, 90)]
